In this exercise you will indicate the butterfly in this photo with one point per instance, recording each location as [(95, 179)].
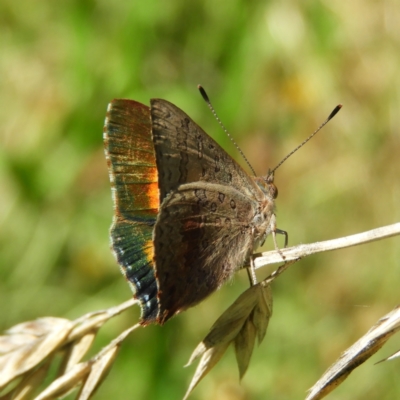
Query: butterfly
[(186, 215)]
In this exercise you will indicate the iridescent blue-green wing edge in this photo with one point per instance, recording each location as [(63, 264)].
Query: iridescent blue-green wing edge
[(133, 175)]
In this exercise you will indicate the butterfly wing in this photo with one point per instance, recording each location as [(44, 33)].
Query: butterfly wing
[(202, 231), (202, 235), (133, 174), (185, 153), (208, 203)]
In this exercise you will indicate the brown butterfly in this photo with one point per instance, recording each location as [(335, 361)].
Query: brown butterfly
[(187, 216)]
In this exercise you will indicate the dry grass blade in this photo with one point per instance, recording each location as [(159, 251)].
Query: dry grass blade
[(31, 381), (28, 349), (91, 372), (209, 358), (42, 337), (98, 372), (303, 250), (102, 363), (76, 350), (26, 332), (66, 383), (392, 357), (364, 348), (241, 323), (94, 320)]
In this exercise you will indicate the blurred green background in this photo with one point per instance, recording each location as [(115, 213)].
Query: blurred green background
[(274, 70)]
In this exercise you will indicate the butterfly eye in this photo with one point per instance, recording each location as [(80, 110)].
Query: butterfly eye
[(273, 190)]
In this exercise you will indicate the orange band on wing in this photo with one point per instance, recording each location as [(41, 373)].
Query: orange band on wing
[(148, 249), (153, 192)]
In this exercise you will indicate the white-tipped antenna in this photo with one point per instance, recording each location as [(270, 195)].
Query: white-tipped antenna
[(331, 115), (207, 100)]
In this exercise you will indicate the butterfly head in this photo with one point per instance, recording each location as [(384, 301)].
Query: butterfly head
[(269, 181)]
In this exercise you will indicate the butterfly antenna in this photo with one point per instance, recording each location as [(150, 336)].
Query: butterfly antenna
[(331, 115), (207, 100)]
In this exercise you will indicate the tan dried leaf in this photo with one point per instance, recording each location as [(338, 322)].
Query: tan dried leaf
[(76, 350), (197, 352), (99, 371), (94, 320), (26, 332), (209, 358), (37, 327), (65, 383), (30, 383), (26, 346), (42, 338), (9, 343), (355, 355)]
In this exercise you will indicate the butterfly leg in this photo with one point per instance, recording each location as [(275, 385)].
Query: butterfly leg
[(251, 272), (281, 232), (276, 244), (275, 230)]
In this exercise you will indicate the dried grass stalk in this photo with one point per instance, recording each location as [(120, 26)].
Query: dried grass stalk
[(28, 349)]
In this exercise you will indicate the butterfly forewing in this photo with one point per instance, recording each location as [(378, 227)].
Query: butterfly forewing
[(133, 174), (185, 153)]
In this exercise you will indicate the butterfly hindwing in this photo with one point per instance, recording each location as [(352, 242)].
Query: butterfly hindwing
[(202, 236)]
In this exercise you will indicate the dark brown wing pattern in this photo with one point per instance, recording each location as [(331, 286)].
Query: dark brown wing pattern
[(202, 236), (208, 202), (185, 153)]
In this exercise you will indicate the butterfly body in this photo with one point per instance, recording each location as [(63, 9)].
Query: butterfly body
[(187, 216)]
